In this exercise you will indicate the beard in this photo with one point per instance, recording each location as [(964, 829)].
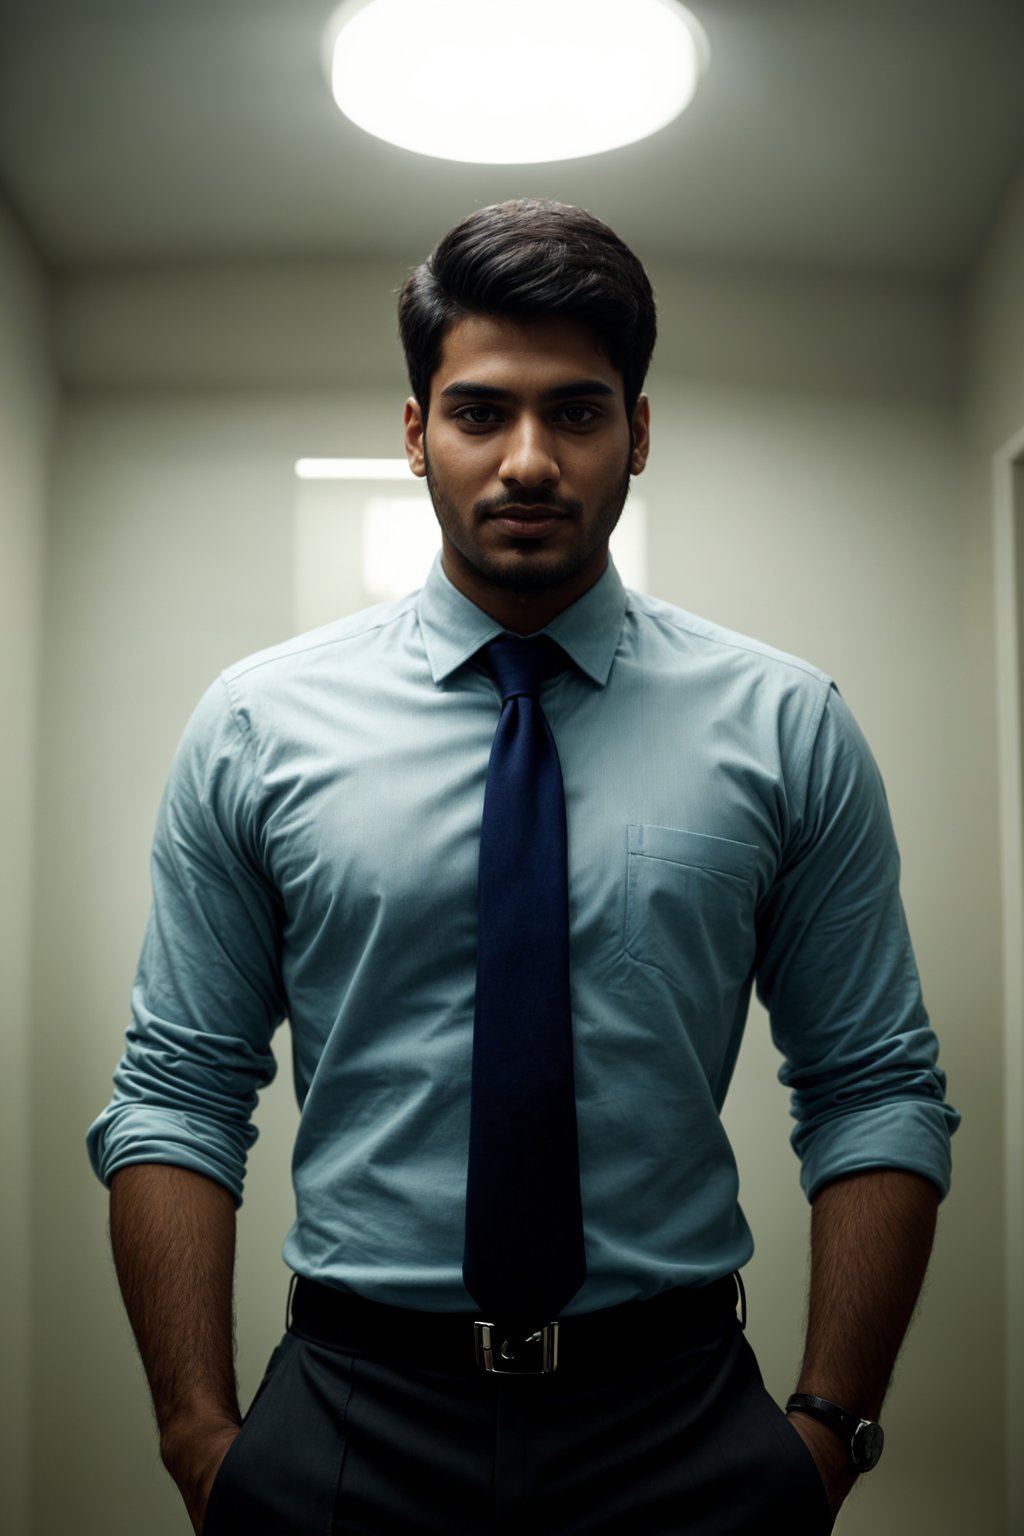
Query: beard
[(527, 566)]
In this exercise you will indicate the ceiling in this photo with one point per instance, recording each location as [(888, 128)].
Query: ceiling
[(875, 137)]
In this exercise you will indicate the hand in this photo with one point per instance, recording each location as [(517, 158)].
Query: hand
[(830, 1457), (193, 1456)]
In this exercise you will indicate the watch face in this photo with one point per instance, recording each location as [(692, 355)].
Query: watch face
[(866, 1446)]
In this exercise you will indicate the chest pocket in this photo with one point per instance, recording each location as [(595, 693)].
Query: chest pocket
[(690, 909)]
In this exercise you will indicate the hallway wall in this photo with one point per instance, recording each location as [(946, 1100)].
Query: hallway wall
[(27, 408)]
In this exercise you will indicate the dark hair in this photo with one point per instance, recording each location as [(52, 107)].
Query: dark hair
[(528, 259)]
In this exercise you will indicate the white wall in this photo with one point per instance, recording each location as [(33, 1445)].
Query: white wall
[(27, 400), (805, 486), (994, 318)]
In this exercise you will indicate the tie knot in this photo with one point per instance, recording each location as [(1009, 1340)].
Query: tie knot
[(519, 665)]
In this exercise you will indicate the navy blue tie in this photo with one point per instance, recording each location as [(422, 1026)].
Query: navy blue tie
[(524, 1257)]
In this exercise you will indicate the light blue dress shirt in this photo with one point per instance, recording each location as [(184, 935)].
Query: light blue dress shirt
[(316, 859)]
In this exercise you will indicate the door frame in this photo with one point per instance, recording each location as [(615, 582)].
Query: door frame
[(1008, 552)]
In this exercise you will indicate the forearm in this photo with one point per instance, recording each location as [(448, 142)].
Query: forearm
[(871, 1238), (173, 1236)]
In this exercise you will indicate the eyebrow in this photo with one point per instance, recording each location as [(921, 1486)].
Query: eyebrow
[(465, 389)]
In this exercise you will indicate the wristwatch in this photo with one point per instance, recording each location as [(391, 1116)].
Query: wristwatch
[(862, 1437)]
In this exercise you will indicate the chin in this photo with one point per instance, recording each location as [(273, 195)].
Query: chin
[(529, 570)]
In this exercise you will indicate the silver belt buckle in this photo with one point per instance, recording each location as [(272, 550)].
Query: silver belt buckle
[(536, 1355)]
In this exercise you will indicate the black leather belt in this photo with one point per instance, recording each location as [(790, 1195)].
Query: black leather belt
[(616, 1339)]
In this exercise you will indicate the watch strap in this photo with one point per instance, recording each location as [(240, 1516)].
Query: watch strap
[(863, 1438)]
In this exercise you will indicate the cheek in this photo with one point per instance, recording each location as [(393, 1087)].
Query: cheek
[(464, 470), (448, 448), (599, 474)]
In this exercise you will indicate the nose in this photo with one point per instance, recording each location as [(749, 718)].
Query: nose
[(530, 459)]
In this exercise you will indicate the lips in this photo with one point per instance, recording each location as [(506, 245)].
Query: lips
[(527, 522)]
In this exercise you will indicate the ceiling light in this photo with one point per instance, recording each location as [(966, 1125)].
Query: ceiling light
[(513, 82)]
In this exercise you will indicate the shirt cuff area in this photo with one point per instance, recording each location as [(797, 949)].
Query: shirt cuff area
[(913, 1137), (129, 1134)]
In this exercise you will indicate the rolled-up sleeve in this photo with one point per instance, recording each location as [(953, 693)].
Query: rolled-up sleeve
[(838, 976), (208, 992)]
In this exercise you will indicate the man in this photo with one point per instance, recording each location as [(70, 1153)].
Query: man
[(514, 921)]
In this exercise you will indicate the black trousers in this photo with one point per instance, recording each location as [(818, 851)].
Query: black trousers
[(347, 1437)]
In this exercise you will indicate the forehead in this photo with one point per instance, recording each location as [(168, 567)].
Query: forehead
[(524, 356)]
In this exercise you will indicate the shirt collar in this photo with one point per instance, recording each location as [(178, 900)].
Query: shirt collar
[(454, 628)]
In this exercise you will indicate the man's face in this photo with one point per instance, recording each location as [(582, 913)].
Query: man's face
[(528, 454)]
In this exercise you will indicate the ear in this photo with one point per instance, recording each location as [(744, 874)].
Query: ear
[(414, 438), (641, 425)]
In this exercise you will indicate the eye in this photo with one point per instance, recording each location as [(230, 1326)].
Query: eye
[(579, 415), (477, 415)]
